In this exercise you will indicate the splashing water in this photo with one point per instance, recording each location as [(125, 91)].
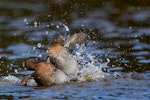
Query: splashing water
[(89, 68), (10, 79)]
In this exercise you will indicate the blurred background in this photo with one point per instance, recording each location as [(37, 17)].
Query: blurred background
[(119, 36)]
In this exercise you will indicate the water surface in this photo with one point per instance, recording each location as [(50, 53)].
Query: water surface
[(118, 43)]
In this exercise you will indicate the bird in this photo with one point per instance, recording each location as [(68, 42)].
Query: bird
[(46, 74), (58, 64), (59, 54)]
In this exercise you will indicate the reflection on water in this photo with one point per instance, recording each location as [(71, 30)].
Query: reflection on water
[(118, 41)]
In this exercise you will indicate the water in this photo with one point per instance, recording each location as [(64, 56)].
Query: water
[(116, 54)]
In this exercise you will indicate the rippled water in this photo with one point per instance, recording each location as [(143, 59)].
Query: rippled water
[(117, 51)]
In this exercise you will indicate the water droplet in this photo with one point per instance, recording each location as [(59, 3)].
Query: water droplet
[(66, 27), (135, 36), (46, 32), (108, 60), (16, 71), (40, 55), (49, 15), (39, 45), (52, 24), (27, 23), (47, 25), (25, 20), (34, 48), (57, 27), (130, 27), (35, 24)]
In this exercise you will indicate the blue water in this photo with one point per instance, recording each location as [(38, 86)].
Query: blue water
[(132, 86), (116, 54)]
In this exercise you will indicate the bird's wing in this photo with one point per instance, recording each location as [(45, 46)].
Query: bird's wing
[(75, 39)]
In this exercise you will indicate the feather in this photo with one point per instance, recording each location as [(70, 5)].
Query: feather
[(75, 39)]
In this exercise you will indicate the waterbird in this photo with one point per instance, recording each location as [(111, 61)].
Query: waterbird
[(59, 54), (58, 64), (46, 74)]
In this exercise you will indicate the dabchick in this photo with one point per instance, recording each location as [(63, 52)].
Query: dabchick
[(45, 73), (59, 62), (59, 55)]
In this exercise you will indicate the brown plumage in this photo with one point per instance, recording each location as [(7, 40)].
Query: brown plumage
[(59, 54), (58, 63), (45, 73)]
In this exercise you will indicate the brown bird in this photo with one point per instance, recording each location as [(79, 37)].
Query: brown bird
[(59, 55), (45, 73), (58, 64)]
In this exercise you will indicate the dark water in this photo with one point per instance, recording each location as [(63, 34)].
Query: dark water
[(119, 33)]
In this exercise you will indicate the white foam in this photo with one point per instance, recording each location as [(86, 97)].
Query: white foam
[(10, 79), (31, 82), (89, 67)]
